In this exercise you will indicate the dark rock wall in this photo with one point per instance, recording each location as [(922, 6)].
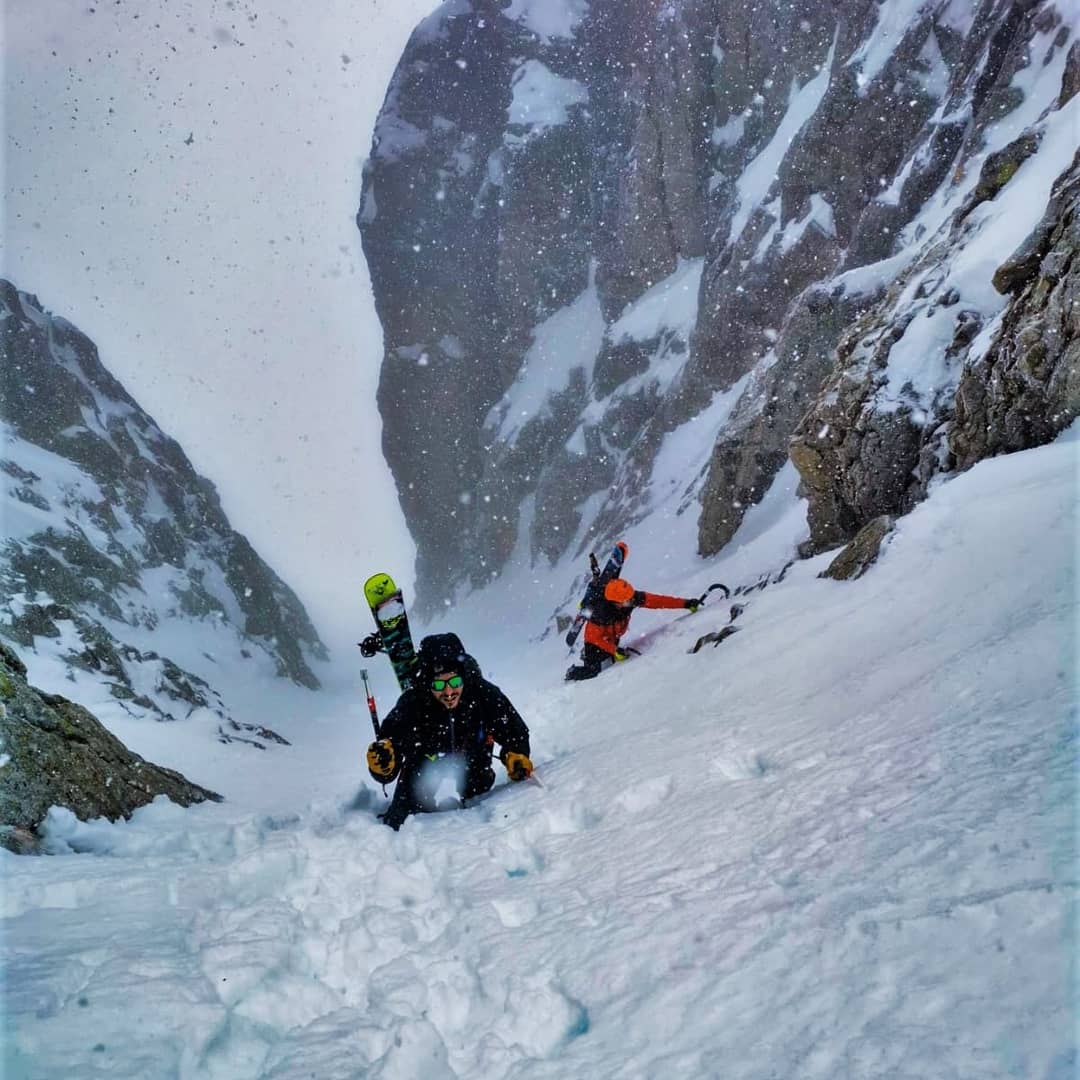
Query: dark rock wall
[(665, 105)]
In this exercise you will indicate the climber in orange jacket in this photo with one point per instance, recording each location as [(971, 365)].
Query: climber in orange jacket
[(609, 620)]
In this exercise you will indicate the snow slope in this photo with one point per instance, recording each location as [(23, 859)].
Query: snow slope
[(842, 844)]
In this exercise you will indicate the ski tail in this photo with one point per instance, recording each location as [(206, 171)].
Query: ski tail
[(575, 629), (595, 589)]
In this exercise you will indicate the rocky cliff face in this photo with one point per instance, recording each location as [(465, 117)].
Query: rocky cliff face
[(625, 252), (115, 550), (998, 381), (54, 752)]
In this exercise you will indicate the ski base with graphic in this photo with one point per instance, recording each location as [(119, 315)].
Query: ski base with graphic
[(387, 606)]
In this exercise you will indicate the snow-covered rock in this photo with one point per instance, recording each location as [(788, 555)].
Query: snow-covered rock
[(119, 569), (843, 182), (56, 753)]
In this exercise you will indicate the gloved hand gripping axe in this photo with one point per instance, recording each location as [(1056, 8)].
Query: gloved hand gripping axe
[(701, 599)]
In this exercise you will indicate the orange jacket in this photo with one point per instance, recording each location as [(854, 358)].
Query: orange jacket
[(608, 620)]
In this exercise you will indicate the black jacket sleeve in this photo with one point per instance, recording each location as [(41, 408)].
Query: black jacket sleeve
[(400, 722), (505, 724)]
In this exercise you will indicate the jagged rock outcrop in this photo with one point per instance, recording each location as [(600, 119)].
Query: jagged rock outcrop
[(545, 194), (870, 447), (1026, 388), (56, 753), (753, 445), (862, 552), (109, 531)]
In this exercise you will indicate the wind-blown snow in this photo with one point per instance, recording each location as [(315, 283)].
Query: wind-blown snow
[(671, 304), (935, 80), (665, 315), (54, 494), (434, 27), (566, 341), (958, 15), (548, 18), (677, 475), (730, 132), (756, 179), (541, 99), (48, 498), (842, 844), (891, 195), (873, 276), (394, 135), (893, 22), (1007, 220), (1038, 83), (819, 214)]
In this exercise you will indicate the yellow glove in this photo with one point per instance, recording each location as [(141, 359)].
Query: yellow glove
[(518, 766), (382, 761)]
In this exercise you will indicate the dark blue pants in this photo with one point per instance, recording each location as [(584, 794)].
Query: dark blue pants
[(412, 797)]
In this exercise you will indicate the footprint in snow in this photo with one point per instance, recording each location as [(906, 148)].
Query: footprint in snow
[(646, 794), (752, 765)]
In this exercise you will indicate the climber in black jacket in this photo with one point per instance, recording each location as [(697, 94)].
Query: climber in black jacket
[(446, 727)]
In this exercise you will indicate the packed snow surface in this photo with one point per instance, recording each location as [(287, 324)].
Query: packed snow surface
[(840, 844)]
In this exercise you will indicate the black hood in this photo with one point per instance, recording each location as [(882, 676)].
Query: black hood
[(444, 652)]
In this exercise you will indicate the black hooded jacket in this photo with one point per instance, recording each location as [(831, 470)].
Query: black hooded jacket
[(419, 726)]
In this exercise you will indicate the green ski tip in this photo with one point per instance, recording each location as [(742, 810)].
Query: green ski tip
[(378, 587)]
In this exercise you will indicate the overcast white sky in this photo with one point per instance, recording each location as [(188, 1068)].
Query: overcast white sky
[(181, 180)]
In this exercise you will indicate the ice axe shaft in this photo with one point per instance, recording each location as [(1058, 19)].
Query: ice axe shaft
[(372, 708)]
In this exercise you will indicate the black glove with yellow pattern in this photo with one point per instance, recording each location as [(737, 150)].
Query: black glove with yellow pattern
[(518, 766), (382, 762)]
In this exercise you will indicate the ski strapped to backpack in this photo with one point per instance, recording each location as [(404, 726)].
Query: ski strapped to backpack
[(393, 636), (595, 589)]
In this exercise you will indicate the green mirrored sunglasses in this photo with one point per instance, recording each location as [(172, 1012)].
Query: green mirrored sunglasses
[(438, 685)]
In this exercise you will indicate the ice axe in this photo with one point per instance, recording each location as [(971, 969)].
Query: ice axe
[(372, 709), (716, 585)]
